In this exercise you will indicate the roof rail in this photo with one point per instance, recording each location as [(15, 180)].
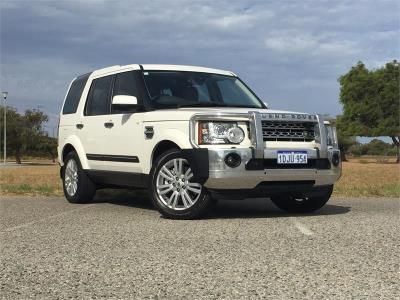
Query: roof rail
[(107, 69)]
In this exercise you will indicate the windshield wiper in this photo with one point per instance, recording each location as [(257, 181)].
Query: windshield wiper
[(203, 104), (241, 105), (215, 104)]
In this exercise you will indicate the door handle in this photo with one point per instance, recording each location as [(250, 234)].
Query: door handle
[(79, 126), (108, 124)]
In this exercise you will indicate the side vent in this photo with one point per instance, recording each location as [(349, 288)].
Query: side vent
[(148, 132)]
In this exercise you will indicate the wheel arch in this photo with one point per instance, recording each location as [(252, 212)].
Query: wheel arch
[(198, 158), (161, 147), (67, 149), (73, 144)]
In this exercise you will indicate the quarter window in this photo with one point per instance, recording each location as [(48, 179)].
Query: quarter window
[(74, 95), (98, 101)]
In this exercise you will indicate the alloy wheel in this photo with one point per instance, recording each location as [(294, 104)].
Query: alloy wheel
[(71, 177), (174, 186)]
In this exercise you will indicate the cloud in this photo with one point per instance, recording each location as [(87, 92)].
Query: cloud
[(284, 42), (291, 52), (305, 44), (234, 21)]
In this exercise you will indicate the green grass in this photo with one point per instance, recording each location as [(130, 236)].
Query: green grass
[(383, 190), (24, 188)]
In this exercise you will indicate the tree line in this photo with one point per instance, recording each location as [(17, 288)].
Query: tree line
[(350, 146)]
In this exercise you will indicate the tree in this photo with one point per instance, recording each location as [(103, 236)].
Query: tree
[(345, 142), (33, 122), (23, 131), (15, 132), (370, 100), (47, 145)]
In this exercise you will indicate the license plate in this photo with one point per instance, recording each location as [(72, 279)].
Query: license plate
[(292, 157)]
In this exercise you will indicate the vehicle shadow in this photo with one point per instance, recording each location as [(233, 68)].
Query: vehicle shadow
[(224, 209), (135, 199), (264, 208)]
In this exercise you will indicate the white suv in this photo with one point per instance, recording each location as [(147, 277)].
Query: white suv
[(191, 135)]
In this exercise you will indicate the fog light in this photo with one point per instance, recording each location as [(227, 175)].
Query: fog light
[(233, 160), (335, 159)]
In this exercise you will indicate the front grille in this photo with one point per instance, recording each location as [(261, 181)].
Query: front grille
[(288, 131)]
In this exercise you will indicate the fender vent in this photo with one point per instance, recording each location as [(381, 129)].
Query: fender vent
[(148, 132)]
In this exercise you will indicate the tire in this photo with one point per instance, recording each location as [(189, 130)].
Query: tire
[(170, 196), (293, 204), (84, 190)]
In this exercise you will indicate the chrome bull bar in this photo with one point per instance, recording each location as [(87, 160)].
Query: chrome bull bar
[(255, 119)]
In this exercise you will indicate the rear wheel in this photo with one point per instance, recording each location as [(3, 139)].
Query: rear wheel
[(294, 204), (78, 188), (174, 193)]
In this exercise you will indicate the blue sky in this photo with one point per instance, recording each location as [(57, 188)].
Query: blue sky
[(290, 52)]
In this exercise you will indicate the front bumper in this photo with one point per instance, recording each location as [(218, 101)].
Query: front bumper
[(221, 176), (258, 167)]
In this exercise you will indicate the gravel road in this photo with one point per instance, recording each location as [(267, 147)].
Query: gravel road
[(119, 247)]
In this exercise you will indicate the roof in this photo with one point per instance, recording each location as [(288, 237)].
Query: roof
[(161, 67)]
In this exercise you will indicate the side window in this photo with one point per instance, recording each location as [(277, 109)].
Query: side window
[(125, 84), (98, 101), (74, 95)]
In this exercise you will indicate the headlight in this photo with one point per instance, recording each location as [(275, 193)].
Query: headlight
[(220, 133)]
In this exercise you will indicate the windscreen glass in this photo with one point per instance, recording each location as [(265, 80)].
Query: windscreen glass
[(171, 89)]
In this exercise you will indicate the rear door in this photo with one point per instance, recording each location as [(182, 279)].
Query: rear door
[(69, 116), (95, 121)]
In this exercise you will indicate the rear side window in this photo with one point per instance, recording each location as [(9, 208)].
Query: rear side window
[(98, 101), (74, 94)]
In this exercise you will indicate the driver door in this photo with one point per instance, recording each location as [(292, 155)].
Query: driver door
[(124, 136)]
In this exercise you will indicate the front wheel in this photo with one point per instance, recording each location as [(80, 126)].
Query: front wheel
[(78, 188), (173, 191), (294, 204)]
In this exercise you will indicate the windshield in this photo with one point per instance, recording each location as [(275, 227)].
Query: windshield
[(171, 89)]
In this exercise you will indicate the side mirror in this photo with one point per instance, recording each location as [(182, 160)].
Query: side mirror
[(124, 100)]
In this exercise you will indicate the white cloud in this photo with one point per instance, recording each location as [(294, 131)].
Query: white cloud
[(338, 48), (291, 42), (305, 44), (234, 20)]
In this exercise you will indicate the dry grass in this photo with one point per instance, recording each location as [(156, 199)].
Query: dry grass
[(369, 176), (32, 180)]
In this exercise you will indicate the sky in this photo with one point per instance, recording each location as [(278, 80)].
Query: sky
[(291, 53)]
